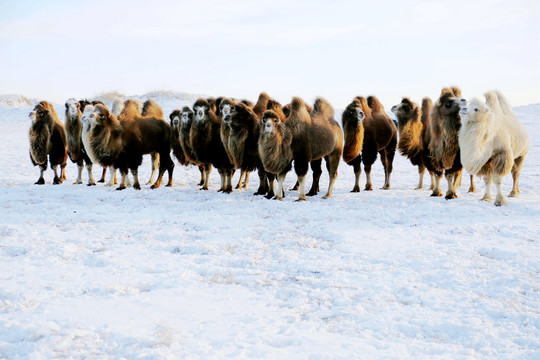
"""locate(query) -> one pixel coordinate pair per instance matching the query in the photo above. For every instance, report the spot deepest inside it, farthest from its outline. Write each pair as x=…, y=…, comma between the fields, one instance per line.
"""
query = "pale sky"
x=337, y=49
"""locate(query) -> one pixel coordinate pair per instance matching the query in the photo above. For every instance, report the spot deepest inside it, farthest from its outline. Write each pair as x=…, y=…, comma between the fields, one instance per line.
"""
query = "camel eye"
x=476, y=109
x=40, y=113
x=102, y=117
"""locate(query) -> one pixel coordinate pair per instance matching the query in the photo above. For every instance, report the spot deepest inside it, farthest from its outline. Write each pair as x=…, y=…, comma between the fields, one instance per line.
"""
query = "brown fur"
x=445, y=124
x=313, y=137
x=413, y=142
x=275, y=148
x=379, y=137
x=181, y=134
x=354, y=131
x=243, y=137
x=125, y=141
x=444, y=146
x=48, y=139
x=262, y=103
x=207, y=146
x=175, y=124
x=76, y=151
x=277, y=108
x=225, y=129
x=410, y=128
x=152, y=109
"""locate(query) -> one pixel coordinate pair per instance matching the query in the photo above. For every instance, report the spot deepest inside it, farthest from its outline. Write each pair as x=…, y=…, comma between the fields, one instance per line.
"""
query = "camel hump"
x=297, y=104
x=322, y=108
x=374, y=104
x=492, y=101
x=503, y=102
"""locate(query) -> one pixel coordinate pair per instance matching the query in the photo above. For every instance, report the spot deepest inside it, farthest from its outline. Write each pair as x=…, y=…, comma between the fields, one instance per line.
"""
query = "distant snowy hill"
x=14, y=101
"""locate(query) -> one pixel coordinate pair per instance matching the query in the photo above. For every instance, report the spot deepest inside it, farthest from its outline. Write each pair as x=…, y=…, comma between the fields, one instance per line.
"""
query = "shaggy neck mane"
x=410, y=134
x=275, y=149
x=40, y=139
x=106, y=141
x=353, y=130
x=73, y=132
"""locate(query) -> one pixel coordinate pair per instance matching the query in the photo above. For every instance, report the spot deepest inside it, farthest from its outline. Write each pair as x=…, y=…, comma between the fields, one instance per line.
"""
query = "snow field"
x=89, y=272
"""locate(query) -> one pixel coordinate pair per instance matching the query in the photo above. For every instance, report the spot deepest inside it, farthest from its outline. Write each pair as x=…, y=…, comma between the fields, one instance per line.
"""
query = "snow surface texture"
x=89, y=272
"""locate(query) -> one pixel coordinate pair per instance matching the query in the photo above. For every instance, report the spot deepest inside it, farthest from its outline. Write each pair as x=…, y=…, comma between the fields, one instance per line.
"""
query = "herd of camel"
x=444, y=137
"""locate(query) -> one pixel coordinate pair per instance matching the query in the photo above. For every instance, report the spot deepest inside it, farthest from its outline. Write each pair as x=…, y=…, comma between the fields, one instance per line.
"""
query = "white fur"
x=489, y=128
x=185, y=118
x=269, y=126
x=199, y=112
x=88, y=125
x=117, y=106
x=72, y=104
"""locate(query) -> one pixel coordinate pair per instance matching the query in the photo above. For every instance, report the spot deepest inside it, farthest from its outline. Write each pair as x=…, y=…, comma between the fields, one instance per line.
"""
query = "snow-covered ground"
x=89, y=272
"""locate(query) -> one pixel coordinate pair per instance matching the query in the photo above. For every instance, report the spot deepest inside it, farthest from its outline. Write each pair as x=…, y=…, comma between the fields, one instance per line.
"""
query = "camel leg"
x=317, y=172
x=499, y=199
x=242, y=173
x=516, y=172
x=357, y=172
x=41, y=179
x=123, y=176
x=437, y=186
x=301, y=188
x=369, y=185
x=57, y=180
x=222, y=179
x=453, y=179
x=155, y=167
x=170, y=170
x=207, y=171
x=201, y=169
x=228, y=181
x=270, y=194
x=63, y=172
x=332, y=163
x=104, y=172
x=79, y=173
x=387, y=158
x=432, y=176
x=112, y=176
x=421, y=172
x=472, y=188
x=281, y=180
x=136, y=184
x=91, y=180
x=488, y=180
x=295, y=187
x=263, y=184
x=246, y=180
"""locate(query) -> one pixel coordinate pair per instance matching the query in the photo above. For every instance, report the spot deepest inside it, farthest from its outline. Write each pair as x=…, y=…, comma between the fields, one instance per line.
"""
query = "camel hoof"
x=472, y=189
x=91, y=184
x=450, y=196
x=57, y=181
x=120, y=188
